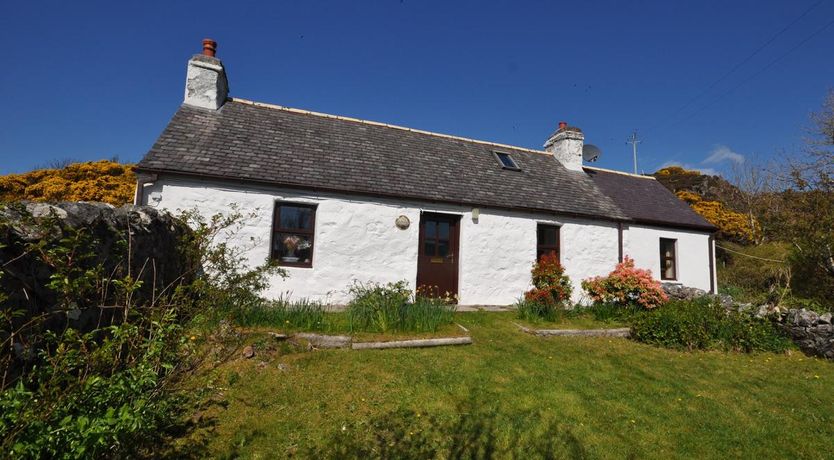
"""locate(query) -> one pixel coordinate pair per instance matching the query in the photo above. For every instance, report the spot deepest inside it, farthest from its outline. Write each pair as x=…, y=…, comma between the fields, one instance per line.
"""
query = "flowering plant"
x=550, y=285
x=626, y=285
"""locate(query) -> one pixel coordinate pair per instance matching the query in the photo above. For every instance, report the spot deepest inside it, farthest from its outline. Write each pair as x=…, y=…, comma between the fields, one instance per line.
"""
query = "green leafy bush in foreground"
x=703, y=324
x=393, y=307
x=113, y=391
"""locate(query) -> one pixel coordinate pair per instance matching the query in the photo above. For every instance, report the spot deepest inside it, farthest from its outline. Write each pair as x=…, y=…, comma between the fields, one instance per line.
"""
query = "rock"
x=681, y=292
x=806, y=318
x=824, y=318
x=766, y=310
x=248, y=351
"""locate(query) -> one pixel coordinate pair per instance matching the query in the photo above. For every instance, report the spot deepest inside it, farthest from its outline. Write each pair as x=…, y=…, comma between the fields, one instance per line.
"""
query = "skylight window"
x=507, y=161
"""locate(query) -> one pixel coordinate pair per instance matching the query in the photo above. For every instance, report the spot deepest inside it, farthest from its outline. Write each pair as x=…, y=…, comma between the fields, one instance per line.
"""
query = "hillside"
x=714, y=198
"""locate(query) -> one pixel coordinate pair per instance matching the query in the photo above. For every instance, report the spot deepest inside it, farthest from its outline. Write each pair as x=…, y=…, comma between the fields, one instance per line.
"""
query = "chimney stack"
x=566, y=146
x=206, y=85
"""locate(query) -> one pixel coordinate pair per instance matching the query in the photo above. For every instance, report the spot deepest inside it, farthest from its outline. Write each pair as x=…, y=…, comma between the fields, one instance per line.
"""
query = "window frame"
x=664, y=258
x=277, y=229
x=497, y=154
x=546, y=247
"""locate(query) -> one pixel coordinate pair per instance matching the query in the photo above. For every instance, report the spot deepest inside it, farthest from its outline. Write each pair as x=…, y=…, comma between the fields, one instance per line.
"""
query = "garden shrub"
x=392, y=307
x=551, y=291
x=112, y=390
x=626, y=285
x=703, y=324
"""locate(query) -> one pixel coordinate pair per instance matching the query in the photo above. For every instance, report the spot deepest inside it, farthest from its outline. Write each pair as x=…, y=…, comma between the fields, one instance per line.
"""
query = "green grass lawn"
x=513, y=394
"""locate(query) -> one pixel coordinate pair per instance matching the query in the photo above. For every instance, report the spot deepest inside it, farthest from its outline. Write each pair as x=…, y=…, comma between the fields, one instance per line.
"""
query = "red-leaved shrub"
x=551, y=286
x=626, y=285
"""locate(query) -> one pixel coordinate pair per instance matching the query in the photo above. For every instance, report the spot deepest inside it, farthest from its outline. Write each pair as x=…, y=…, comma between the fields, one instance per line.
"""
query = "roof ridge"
x=641, y=176
x=387, y=125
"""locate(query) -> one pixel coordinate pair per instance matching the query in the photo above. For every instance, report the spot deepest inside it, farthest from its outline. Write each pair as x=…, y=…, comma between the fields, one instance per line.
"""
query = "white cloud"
x=723, y=153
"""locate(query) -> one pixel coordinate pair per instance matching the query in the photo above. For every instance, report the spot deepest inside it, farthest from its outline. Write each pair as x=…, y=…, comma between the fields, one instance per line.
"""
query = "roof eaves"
x=640, y=176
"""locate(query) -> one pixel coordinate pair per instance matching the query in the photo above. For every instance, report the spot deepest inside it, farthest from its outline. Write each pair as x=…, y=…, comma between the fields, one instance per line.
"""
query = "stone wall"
x=132, y=239
x=812, y=332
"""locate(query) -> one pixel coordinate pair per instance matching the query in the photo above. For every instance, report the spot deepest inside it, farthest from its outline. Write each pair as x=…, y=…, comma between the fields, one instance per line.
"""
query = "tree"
x=808, y=221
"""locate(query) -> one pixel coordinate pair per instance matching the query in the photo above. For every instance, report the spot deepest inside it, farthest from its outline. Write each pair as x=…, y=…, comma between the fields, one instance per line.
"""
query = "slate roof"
x=646, y=200
x=293, y=148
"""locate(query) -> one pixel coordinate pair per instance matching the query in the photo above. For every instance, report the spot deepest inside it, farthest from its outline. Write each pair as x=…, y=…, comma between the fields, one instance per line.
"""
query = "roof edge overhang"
x=238, y=180
x=672, y=225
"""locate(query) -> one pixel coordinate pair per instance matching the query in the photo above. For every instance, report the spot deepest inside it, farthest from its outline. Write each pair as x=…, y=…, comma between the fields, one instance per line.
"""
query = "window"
x=292, y=234
x=547, y=240
x=507, y=161
x=667, y=259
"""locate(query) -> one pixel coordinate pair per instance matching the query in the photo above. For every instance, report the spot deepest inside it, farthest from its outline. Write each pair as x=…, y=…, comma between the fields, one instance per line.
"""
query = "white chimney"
x=205, y=83
x=566, y=146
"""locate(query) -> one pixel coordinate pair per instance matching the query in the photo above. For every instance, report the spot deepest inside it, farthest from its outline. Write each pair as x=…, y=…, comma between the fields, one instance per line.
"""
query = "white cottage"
x=338, y=199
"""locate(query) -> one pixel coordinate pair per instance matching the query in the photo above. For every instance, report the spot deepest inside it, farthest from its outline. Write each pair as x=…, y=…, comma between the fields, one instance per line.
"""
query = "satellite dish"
x=590, y=153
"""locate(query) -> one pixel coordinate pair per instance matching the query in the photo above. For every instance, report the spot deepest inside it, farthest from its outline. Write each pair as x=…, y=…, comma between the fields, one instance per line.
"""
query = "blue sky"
x=91, y=80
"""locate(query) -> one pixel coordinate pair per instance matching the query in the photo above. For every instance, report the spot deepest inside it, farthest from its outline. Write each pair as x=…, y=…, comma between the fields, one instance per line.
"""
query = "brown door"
x=437, y=262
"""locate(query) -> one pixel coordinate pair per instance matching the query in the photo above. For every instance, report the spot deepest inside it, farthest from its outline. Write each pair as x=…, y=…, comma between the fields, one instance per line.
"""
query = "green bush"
x=111, y=391
x=94, y=396
x=392, y=307
x=704, y=324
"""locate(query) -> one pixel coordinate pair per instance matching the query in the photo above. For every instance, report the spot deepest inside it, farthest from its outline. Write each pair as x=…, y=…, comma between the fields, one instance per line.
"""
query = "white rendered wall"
x=642, y=243
x=356, y=239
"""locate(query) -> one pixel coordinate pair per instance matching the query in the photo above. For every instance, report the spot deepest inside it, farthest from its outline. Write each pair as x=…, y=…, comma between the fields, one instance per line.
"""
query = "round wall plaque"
x=402, y=222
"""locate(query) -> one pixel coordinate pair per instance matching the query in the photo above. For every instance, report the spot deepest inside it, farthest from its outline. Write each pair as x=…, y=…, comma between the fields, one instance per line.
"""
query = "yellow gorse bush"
x=731, y=225
x=105, y=181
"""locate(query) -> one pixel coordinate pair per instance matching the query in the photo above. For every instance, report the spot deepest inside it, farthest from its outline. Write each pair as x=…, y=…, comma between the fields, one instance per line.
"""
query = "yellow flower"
x=193, y=337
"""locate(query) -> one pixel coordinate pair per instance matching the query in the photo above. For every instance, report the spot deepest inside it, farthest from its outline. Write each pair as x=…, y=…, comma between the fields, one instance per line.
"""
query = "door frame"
x=454, y=244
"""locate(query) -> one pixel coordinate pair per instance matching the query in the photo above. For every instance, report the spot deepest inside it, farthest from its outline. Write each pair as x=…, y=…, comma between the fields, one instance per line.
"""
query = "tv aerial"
x=590, y=153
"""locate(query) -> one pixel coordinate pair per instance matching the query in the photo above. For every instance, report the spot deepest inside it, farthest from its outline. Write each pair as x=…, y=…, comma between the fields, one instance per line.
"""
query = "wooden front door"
x=437, y=262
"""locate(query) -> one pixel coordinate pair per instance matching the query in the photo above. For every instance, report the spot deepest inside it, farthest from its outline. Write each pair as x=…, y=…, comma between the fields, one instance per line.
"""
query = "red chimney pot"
x=563, y=124
x=209, y=47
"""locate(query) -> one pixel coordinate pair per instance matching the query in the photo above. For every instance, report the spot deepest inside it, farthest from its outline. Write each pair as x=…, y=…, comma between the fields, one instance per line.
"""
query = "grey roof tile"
x=646, y=200
x=298, y=149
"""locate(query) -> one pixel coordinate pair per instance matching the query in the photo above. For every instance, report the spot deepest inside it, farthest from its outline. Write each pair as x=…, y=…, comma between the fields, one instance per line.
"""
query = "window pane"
x=443, y=230
x=428, y=248
x=548, y=235
x=506, y=160
x=296, y=217
x=667, y=259
x=292, y=248
x=443, y=248
x=431, y=229
x=669, y=269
